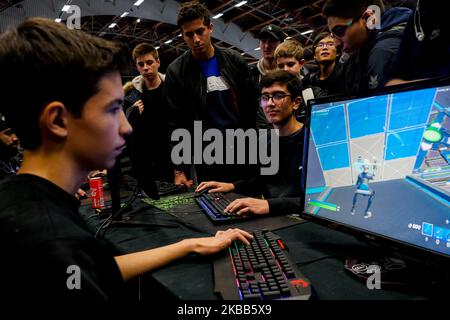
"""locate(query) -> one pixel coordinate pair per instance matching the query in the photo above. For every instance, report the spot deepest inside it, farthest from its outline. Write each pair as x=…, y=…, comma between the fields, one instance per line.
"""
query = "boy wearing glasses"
x=328, y=79
x=210, y=84
x=370, y=37
x=280, y=98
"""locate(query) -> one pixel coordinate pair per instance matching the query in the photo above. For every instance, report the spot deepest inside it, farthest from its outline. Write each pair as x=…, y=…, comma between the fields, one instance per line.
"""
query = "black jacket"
x=428, y=58
x=185, y=89
x=148, y=145
x=370, y=67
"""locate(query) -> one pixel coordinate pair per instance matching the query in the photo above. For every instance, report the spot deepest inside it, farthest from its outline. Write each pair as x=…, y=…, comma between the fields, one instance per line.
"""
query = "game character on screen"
x=367, y=173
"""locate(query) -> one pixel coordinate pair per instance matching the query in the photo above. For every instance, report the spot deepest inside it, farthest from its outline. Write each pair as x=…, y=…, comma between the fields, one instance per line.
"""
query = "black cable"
x=319, y=259
x=110, y=220
x=105, y=224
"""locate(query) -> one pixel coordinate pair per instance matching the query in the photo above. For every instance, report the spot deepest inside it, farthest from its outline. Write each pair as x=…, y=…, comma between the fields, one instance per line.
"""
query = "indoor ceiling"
x=301, y=19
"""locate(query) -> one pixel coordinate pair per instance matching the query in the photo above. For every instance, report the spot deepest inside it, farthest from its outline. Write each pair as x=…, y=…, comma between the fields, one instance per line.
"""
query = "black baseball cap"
x=3, y=124
x=272, y=31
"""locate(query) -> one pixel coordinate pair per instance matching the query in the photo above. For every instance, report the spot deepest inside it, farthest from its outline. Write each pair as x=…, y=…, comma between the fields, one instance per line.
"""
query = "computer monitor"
x=379, y=166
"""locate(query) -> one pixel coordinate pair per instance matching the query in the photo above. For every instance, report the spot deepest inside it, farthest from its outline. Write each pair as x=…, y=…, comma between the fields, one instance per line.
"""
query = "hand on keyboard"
x=262, y=270
x=220, y=241
x=246, y=206
x=215, y=186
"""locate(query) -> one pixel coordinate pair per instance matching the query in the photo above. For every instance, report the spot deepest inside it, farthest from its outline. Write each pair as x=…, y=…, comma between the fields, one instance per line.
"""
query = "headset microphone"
x=420, y=35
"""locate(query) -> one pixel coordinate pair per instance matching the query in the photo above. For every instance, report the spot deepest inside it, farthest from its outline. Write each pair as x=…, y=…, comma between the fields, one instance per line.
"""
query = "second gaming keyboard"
x=214, y=204
x=262, y=270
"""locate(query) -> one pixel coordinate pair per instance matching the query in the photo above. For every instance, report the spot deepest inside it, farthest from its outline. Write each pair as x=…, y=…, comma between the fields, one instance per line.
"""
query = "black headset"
x=420, y=35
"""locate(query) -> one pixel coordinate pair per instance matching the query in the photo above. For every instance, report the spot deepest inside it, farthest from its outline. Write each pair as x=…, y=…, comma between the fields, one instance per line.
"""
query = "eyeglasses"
x=339, y=30
x=277, y=97
x=322, y=45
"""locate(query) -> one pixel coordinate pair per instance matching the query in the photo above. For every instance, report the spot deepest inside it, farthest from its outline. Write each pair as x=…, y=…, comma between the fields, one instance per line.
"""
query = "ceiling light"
x=217, y=16
x=256, y=49
x=138, y=3
x=112, y=25
x=168, y=41
x=240, y=4
x=307, y=32
x=123, y=15
x=138, y=20
x=65, y=8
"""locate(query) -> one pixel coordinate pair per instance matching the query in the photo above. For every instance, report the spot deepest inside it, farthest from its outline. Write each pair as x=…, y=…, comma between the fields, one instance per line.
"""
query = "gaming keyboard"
x=263, y=270
x=214, y=204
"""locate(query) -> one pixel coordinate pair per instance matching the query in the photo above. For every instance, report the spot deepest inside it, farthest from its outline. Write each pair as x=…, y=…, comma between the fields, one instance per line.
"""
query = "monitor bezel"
x=392, y=245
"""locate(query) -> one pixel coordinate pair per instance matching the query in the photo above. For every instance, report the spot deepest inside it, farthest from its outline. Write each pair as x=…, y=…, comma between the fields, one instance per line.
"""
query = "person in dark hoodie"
x=425, y=49
x=146, y=111
x=370, y=37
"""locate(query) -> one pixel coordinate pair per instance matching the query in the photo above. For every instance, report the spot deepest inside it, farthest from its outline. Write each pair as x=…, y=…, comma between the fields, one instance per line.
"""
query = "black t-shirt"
x=149, y=143
x=329, y=86
x=221, y=109
x=45, y=245
x=282, y=189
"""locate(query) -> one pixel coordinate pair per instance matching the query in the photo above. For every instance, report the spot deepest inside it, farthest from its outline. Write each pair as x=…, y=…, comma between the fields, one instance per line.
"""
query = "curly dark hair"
x=192, y=10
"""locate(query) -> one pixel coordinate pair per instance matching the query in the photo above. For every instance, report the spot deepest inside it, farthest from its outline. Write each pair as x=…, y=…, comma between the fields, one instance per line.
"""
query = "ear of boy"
x=297, y=103
x=54, y=119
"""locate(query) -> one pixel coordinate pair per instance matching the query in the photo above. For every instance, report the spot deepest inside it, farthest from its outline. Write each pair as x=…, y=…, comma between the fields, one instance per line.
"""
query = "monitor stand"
x=117, y=210
x=378, y=271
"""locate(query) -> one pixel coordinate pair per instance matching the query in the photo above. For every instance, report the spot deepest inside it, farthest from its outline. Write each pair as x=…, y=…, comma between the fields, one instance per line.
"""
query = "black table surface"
x=318, y=251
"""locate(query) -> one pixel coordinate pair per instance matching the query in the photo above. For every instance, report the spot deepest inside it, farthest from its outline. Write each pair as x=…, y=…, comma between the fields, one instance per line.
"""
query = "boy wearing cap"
x=269, y=38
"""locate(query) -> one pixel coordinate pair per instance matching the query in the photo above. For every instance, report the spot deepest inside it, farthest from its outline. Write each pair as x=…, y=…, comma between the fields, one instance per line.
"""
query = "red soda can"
x=97, y=197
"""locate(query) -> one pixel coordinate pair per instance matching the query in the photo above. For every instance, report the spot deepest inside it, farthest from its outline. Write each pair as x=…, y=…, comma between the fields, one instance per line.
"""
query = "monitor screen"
x=380, y=164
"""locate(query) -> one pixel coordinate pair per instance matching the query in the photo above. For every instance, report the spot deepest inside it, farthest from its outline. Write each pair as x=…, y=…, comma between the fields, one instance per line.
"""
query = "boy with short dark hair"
x=69, y=123
x=280, y=98
x=146, y=110
x=209, y=84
